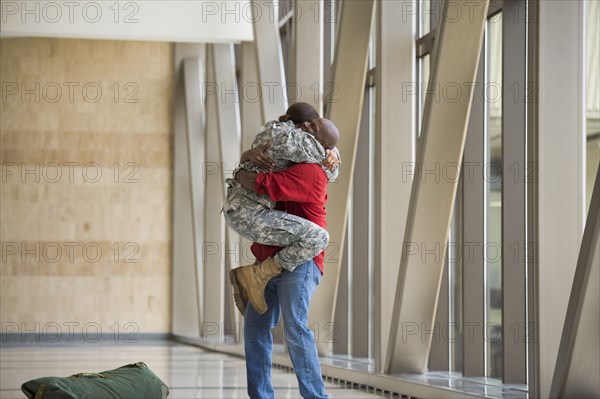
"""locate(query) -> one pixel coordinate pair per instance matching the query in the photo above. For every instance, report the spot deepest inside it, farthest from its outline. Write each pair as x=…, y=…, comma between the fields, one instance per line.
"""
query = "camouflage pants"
x=302, y=239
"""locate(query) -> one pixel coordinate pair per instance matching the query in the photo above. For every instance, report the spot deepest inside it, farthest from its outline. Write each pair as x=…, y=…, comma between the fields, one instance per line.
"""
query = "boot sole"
x=237, y=296
x=238, y=288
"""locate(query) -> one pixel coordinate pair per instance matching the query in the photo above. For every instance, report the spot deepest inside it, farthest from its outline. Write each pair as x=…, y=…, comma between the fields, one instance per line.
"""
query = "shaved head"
x=324, y=131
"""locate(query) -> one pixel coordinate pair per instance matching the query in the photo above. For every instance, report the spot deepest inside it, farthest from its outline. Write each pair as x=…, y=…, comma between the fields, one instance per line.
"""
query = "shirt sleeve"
x=301, y=183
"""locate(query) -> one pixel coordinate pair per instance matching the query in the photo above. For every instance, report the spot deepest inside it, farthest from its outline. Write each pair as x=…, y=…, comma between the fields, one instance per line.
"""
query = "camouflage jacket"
x=289, y=145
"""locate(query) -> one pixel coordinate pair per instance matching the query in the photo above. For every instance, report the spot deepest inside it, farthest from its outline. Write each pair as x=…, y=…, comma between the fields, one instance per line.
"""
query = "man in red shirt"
x=300, y=190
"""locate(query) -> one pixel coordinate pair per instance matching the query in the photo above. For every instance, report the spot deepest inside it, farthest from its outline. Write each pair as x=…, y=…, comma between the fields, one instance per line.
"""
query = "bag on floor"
x=131, y=381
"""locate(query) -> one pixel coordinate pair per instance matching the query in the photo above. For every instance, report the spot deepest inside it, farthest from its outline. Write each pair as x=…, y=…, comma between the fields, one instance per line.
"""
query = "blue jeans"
x=290, y=292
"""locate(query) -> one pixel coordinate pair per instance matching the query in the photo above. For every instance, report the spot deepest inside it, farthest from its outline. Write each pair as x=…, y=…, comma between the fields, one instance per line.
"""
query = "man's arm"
x=245, y=156
x=246, y=179
x=259, y=157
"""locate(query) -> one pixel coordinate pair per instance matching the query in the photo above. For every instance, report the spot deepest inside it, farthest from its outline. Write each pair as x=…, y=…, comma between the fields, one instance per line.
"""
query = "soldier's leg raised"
x=302, y=240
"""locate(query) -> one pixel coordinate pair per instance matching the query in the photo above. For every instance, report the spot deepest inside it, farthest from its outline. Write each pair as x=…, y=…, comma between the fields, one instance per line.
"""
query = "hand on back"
x=260, y=158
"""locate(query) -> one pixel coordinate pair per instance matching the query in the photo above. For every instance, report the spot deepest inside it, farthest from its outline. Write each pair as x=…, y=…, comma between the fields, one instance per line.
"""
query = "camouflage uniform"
x=254, y=217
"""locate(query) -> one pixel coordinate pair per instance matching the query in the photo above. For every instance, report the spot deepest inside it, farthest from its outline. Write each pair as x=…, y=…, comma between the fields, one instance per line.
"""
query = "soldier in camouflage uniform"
x=254, y=217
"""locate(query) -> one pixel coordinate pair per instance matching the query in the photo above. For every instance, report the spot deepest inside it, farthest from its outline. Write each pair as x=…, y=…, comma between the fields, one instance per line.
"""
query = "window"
x=481, y=280
x=592, y=97
x=493, y=197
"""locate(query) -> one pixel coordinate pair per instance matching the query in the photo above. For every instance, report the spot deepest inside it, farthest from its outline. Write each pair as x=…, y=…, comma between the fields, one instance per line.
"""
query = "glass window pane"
x=332, y=14
x=424, y=17
x=455, y=258
x=423, y=80
x=493, y=174
x=373, y=44
x=593, y=97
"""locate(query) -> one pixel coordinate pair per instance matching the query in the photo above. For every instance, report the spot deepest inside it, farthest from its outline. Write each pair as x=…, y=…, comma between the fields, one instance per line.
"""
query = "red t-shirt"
x=300, y=190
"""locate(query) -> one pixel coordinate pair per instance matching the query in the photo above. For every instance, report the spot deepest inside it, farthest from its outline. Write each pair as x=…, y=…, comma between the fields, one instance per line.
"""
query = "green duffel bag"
x=133, y=381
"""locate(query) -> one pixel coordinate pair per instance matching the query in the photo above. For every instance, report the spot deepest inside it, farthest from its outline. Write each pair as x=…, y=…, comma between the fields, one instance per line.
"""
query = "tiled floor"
x=189, y=372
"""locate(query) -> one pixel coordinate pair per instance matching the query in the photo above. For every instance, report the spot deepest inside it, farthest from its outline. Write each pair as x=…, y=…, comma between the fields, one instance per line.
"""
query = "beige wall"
x=73, y=211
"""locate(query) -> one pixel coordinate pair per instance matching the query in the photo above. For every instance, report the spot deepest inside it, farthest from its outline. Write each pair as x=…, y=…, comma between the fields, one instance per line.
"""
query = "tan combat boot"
x=250, y=281
x=239, y=296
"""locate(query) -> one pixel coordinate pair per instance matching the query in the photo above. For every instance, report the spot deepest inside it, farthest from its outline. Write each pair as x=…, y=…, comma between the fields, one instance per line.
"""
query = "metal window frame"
x=270, y=67
x=193, y=78
x=228, y=116
x=213, y=289
x=308, y=73
x=473, y=304
x=579, y=338
x=340, y=341
x=439, y=353
x=532, y=198
x=514, y=278
x=488, y=182
x=251, y=119
x=435, y=200
x=515, y=218
x=349, y=77
x=556, y=181
x=394, y=140
x=456, y=288
x=361, y=237
x=353, y=304
x=187, y=268
x=425, y=44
